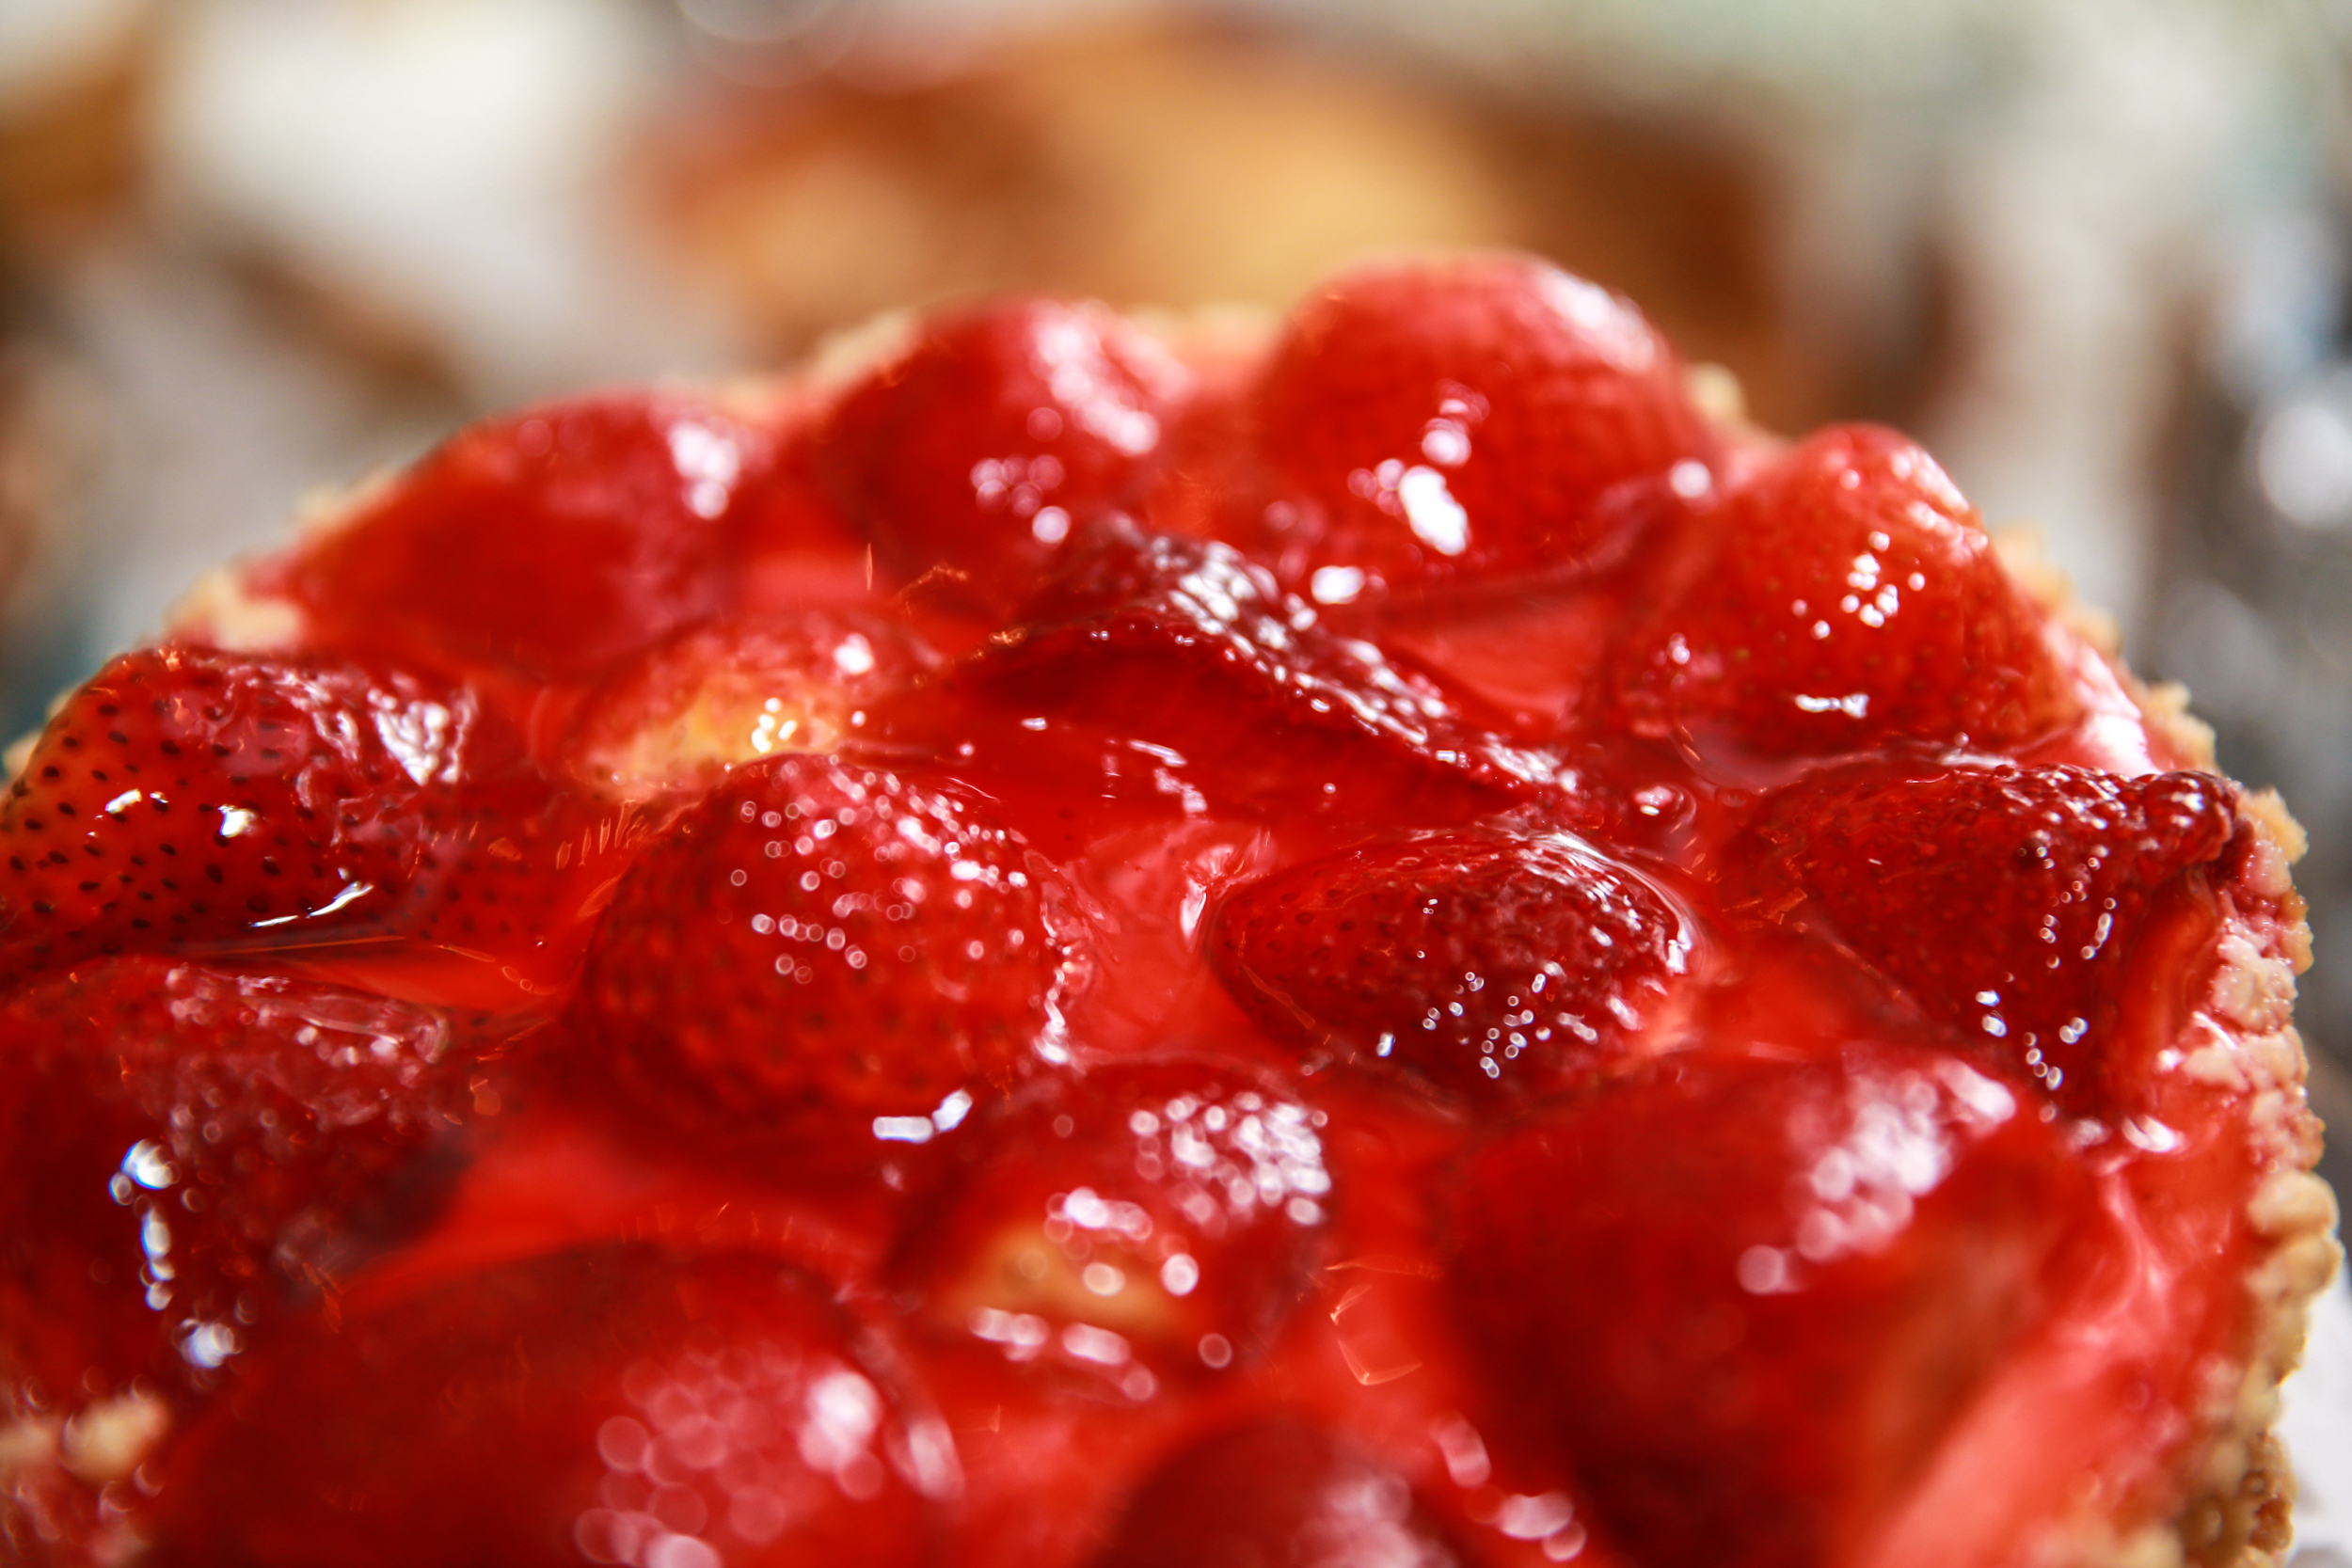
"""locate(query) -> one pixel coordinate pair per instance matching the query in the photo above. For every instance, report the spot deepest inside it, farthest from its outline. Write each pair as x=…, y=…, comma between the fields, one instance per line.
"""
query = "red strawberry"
x=617, y=1404
x=1743, y=1300
x=1276, y=1492
x=817, y=957
x=1467, y=418
x=549, y=543
x=979, y=448
x=1489, y=963
x=726, y=692
x=1182, y=644
x=187, y=798
x=2006, y=900
x=1853, y=596
x=188, y=1150
x=1146, y=1222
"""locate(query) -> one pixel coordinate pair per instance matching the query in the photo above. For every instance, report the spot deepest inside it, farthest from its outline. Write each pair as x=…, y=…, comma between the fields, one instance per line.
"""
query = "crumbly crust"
x=2240, y=1510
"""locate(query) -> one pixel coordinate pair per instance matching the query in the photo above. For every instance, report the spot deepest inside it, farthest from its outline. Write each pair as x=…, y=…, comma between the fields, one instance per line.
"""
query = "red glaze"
x=1149, y=1222
x=816, y=945
x=1488, y=416
x=1848, y=595
x=1081, y=796
x=979, y=448
x=1490, y=963
x=623, y=1399
x=549, y=543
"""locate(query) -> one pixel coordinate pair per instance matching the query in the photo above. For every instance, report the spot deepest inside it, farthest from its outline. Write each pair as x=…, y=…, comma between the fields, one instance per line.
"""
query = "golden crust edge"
x=2239, y=1510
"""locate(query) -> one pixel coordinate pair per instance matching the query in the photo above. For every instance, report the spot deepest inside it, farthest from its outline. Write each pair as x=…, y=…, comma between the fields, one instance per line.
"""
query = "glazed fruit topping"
x=1145, y=1221
x=1187, y=644
x=185, y=798
x=981, y=446
x=1846, y=596
x=670, y=723
x=549, y=543
x=620, y=1404
x=191, y=1152
x=818, y=955
x=2006, y=900
x=1277, y=1492
x=1482, y=417
x=1490, y=963
x=1788, y=1279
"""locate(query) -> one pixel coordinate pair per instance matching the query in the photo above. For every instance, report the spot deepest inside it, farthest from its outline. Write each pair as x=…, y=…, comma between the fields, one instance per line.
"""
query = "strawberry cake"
x=1388, y=940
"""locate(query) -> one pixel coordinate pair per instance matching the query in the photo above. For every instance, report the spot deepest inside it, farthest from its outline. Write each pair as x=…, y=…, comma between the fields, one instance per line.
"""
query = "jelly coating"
x=1026, y=959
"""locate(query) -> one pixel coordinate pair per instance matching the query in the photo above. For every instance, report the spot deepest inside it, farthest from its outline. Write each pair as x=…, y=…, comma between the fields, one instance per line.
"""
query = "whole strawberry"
x=1490, y=963
x=185, y=798
x=979, y=448
x=547, y=544
x=1743, y=1300
x=2006, y=900
x=817, y=957
x=1454, y=418
x=1849, y=595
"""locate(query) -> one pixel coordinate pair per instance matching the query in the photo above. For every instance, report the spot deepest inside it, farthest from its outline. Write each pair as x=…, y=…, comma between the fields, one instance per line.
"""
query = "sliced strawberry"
x=619, y=1405
x=1467, y=418
x=549, y=543
x=979, y=448
x=187, y=798
x=190, y=1151
x=1490, y=963
x=1146, y=1222
x=1853, y=596
x=676, y=717
x=1743, y=1300
x=2006, y=900
x=1184, y=644
x=1278, y=1491
x=817, y=957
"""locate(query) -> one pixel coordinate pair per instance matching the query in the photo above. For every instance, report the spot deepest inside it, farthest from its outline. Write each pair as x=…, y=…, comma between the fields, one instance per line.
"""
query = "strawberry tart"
x=1388, y=940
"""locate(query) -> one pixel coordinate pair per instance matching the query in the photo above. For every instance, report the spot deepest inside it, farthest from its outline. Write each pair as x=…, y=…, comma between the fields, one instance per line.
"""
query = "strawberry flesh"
x=1145, y=1223
x=611, y=1404
x=1278, y=1491
x=2006, y=900
x=189, y=798
x=1442, y=421
x=817, y=957
x=1848, y=596
x=1740, y=1301
x=976, y=451
x=1492, y=964
x=549, y=543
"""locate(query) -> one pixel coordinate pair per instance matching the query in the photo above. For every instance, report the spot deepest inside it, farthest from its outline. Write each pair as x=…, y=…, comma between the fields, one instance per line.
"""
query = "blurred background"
x=2097, y=252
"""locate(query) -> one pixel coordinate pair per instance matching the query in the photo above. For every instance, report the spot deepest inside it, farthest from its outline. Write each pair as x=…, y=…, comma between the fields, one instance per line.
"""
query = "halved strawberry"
x=190, y=1151
x=185, y=798
x=1491, y=963
x=1469, y=417
x=816, y=958
x=548, y=543
x=615, y=1405
x=1145, y=1221
x=1184, y=644
x=725, y=692
x=2006, y=900
x=979, y=448
x=1742, y=1300
x=1277, y=1490
x=1851, y=595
